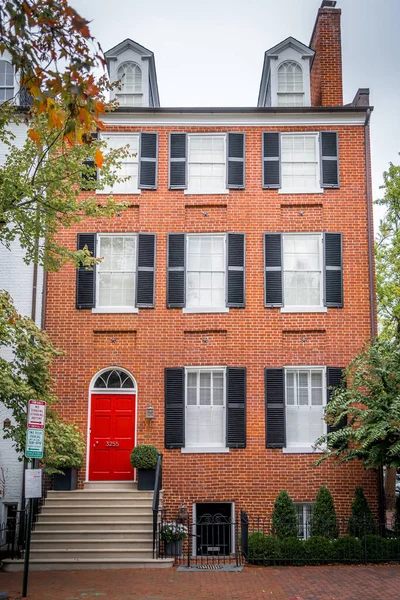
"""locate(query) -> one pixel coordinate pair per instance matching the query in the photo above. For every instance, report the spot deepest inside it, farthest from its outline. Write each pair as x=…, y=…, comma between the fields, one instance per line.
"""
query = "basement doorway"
x=213, y=529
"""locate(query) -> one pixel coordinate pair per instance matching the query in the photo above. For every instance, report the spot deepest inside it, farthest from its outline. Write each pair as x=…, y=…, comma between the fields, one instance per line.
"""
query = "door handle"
x=95, y=444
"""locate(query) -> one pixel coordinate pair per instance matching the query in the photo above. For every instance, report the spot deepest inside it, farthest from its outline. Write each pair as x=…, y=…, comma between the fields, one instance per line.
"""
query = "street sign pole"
x=27, y=549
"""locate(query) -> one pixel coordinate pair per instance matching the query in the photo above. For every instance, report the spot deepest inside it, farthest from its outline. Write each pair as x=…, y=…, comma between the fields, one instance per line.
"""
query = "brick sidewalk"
x=253, y=583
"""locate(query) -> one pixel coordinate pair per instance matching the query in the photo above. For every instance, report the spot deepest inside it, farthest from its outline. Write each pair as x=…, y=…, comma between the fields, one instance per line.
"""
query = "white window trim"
x=307, y=449
x=113, y=309
x=306, y=309
x=188, y=191
x=204, y=309
x=205, y=449
x=116, y=134
x=317, y=190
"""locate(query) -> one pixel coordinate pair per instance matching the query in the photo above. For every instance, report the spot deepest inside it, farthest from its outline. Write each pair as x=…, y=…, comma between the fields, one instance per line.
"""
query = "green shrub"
x=324, y=521
x=263, y=548
x=144, y=457
x=393, y=548
x=397, y=517
x=348, y=549
x=284, y=517
x=292, y=551
x=361, y=521
x=318, y=550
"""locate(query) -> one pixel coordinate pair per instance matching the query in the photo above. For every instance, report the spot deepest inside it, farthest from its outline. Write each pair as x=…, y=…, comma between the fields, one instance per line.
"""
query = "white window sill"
x=222, y=309
x=304, y=309
x=301, y=450
x=294, y=191
x=114, y=309
x=112, y=193
x=203, y=193
x=204, y=450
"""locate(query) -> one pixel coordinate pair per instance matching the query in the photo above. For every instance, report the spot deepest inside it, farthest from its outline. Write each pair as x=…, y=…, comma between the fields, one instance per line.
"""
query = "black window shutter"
x=334, y=380
x=235, y=161
x=174, y=382
x=273, y=269
x=148, y=161
x=86, y=279
x=177, y=161
x=333, y=285
x=329, y=159
x=236, y=270
x=176, y=270
x=90, y=173
x=271, y=160
x=145, y=270
x=275, y=408
x=236, y=408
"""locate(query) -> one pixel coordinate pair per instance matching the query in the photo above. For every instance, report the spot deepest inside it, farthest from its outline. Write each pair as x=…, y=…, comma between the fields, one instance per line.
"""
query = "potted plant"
x=144, y=458
x=172, y=534
x=64, y=448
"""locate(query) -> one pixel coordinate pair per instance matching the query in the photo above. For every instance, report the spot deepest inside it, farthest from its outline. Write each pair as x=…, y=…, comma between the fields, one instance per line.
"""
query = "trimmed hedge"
x=317, y=550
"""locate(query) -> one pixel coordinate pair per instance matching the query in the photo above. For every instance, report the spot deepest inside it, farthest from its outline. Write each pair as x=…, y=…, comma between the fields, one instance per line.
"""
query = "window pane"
x=206, y=271
x=205, y=389
x=302, y=275
x=206, y=170
x=304, y=419
x=104, y=289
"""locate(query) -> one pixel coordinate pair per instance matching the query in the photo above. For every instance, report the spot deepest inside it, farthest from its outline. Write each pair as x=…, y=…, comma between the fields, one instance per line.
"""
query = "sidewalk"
x=253, y=583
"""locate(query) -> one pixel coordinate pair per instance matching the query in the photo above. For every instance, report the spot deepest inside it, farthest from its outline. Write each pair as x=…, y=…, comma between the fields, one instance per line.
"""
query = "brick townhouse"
x=233, y=290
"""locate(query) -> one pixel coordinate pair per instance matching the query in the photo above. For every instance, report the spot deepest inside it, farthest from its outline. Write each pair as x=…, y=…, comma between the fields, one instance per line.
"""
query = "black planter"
x=146, y=479
x=66, y=482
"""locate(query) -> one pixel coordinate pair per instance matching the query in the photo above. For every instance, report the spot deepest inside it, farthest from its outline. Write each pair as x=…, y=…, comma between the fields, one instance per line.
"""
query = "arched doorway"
x=112, y=425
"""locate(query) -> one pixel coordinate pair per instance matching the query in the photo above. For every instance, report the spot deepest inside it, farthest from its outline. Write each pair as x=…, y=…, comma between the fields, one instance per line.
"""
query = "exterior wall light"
x=150, y=414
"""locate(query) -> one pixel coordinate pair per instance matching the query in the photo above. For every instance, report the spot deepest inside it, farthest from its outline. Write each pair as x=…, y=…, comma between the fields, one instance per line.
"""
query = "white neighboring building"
x=19, y=280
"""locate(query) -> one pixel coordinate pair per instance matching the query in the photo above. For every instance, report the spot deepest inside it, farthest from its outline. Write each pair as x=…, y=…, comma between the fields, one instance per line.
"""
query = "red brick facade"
x=326, y=70
x=254, y=337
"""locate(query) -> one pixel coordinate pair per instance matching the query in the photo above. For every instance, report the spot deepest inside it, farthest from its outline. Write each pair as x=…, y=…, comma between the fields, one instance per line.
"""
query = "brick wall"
x=326, y=70
x=254, y=337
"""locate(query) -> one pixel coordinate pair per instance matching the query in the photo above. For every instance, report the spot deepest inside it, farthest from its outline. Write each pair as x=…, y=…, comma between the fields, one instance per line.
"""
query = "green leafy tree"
x=324, y=520
x=387, y=250
x=284, y=517
x=361, y=521
x=25, y=374
x=371, y=405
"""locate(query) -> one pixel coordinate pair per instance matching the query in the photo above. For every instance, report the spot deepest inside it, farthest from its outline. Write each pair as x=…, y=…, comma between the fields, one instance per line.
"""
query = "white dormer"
x=285, y=79
x=10, y=88
x=134, y=66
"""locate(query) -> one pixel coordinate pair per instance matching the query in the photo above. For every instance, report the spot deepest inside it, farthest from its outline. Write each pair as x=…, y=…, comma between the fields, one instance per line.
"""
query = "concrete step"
x=101, y=517
x=133, y=508
x=61, y=543
x=50, y=535
x=89, y=524
x=87, y=564
x=100, y=495
x=110, y=485
x=113, y=554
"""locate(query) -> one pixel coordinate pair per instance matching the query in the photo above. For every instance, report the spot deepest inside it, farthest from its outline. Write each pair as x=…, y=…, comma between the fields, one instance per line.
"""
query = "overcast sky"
x=210, y=52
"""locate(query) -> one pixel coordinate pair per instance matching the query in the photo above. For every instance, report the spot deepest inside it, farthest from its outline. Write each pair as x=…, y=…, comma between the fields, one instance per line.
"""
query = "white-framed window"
x=129, y=165
x=130, y=76
x=206, y=273
x=205, y=409
x=305, y=393
x=6, y=81
x=290, y=84
x=116, y=274
x=302, y=271
x=206, y=164
x=300, y=163
x=304, y=515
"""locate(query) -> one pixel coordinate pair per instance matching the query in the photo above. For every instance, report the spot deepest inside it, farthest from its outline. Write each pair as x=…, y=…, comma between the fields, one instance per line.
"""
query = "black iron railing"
x=12, y=536
x=156, y=502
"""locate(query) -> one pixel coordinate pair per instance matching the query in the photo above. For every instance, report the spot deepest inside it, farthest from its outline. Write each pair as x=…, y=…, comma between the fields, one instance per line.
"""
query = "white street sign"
x=33, y=483
x=36, y=414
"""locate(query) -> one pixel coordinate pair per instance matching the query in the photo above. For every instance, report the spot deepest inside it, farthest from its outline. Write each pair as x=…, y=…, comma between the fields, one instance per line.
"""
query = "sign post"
x=34, y=446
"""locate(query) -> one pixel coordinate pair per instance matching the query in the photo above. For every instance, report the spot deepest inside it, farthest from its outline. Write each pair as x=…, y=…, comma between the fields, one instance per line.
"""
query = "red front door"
x=112, y=436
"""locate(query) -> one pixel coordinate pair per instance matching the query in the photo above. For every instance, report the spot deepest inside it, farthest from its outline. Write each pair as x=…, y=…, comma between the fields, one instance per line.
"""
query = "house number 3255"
x=112, y=443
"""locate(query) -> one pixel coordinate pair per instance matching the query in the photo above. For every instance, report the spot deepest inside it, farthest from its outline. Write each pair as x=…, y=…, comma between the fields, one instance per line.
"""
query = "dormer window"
x=6, y=81
x=130, y=76
x=290, y=84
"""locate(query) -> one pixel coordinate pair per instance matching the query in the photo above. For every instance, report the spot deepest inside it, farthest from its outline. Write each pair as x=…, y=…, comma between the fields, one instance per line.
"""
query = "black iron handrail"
x=156, y=500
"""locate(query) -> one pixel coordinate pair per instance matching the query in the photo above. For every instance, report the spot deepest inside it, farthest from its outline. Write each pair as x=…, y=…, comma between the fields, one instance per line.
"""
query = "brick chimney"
x=326, y=69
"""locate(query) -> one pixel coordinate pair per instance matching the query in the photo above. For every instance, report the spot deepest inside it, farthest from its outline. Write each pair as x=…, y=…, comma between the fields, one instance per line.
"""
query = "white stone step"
x=102, y=535
x=133, y=508
x=87, y=564
x=89, y=524
x=110, y=485
x=100, y=495
x=91, y=543
x=103, y=517
x=113, y=554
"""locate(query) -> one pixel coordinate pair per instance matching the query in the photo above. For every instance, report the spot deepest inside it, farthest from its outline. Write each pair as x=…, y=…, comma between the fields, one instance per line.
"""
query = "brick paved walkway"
x=253, y=583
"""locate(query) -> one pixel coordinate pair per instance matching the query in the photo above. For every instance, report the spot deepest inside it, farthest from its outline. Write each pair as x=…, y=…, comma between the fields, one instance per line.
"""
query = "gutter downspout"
x=372, y=298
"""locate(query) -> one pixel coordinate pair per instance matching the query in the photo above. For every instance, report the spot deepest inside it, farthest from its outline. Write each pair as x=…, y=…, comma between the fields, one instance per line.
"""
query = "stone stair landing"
x=107, y=525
